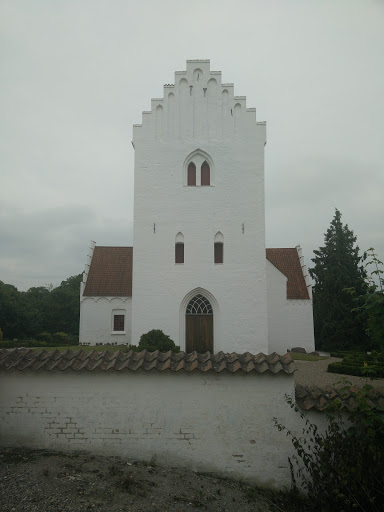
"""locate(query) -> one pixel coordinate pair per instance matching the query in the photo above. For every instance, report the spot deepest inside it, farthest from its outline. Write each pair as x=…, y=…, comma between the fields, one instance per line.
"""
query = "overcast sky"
x=76, y=74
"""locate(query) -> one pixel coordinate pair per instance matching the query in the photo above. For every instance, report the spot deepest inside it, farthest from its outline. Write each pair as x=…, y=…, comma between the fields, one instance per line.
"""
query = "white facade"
x=290, y=321
x=96, y=320
x=199, y=119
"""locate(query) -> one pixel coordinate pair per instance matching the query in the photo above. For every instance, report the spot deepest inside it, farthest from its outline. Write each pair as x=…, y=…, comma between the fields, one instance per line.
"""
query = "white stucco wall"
x=96, y=320
x=199, y=113
x=205, y=421
x=290, y=321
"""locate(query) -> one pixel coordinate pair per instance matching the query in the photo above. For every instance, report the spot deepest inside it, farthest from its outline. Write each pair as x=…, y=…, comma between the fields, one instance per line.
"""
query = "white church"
x=198, y=269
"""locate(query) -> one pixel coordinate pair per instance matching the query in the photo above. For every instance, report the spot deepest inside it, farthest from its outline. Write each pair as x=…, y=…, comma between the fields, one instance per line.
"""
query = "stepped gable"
x=288, y=262
x=320, y=399
x=110, y=273
x=28, y=359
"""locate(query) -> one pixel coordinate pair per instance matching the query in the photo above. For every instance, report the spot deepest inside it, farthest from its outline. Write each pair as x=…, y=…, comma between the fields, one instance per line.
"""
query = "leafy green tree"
x=40, y=310
x=13, y=320
x=36, y=305
x=372, y=302
x=64, y=308
x=337, y=266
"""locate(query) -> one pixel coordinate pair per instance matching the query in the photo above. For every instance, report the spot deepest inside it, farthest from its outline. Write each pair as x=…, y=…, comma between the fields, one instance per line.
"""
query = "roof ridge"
x=78, y=360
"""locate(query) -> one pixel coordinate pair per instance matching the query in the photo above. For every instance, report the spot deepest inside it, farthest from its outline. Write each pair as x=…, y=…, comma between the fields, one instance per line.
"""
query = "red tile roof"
x=110, y=273
x=288, y=262
x=28, y=359
x=320, y=399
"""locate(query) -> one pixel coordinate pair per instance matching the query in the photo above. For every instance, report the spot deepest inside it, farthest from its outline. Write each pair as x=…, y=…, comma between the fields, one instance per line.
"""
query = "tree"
x=372, y=302
x=12, y=313
x=338, y=266
x=65, y=306
x=40, y=309
x=35, y=303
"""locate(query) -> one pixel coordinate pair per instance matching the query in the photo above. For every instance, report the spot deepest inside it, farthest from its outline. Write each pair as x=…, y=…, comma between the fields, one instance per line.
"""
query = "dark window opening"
x=205, y=174
x=191, y=175
x=219, y=252
x=179, y=252
x=118, y=322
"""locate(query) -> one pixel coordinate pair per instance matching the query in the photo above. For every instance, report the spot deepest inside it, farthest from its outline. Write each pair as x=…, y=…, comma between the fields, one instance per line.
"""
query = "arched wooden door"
x=199, y=325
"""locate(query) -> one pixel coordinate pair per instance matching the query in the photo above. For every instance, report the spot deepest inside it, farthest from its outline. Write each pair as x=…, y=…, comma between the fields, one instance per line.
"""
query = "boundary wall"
x=221, y=423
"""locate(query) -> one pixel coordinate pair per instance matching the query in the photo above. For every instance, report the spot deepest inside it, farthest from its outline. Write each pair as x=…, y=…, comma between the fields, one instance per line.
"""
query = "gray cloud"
x=76, y=76
x=38, y=245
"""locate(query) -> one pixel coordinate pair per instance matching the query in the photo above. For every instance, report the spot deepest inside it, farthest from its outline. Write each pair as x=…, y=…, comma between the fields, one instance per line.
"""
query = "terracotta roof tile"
x=110, y=273
x=28, y=359
x=320, y=399
x=288, y=262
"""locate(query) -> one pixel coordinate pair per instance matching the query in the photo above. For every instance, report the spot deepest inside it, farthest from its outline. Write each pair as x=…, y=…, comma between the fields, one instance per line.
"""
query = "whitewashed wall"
x=290, y=321
x=205, y=421
x=96, y=320
x=200, y=114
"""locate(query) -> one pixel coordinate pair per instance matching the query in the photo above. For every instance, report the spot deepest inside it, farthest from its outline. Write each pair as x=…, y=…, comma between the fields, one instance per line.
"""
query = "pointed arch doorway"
x=199, y=325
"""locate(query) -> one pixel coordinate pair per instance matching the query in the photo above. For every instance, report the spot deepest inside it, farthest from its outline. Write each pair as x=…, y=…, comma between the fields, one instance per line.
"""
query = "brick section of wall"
x=208, y=422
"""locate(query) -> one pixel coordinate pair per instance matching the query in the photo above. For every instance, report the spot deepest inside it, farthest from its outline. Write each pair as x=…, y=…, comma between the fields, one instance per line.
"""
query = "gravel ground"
x=39, y=481
x=310, y=373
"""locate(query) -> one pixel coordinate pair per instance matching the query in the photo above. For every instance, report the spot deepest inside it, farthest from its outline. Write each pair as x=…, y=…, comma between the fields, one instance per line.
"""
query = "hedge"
x=344, y=353
x=375, y=358
x=34, y=344
x=376, y=370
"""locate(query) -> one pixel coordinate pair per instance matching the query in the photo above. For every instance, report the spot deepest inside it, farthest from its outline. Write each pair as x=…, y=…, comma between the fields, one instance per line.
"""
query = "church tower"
x=199, y=260
x=198, y=269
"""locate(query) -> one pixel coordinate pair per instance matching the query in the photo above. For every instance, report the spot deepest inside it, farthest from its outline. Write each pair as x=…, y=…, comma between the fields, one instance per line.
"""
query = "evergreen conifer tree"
x=338, y=266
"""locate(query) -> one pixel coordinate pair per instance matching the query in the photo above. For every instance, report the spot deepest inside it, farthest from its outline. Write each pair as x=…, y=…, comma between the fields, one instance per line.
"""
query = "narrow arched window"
x=179, y=248
x=191, y=175
x=179, y=252
x=205, y=174
x=219, y=252
x=219, y=248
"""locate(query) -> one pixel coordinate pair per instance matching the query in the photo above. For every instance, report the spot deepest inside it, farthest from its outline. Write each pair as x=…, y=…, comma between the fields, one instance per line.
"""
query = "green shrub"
x=343, y=353
x=360, y=365
x=1, y=335
x=342, y=469
x=135, y=348
x=359, y=370
x=44, y=336
x=73, y=339
x=157, y=340
x=10, y=344
x=22, y=343
x=374, y=357
x=60, y=337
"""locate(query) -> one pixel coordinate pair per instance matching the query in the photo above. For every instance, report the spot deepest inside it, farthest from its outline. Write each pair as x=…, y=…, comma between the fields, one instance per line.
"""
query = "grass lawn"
x=306, y=357
x=86, y=348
